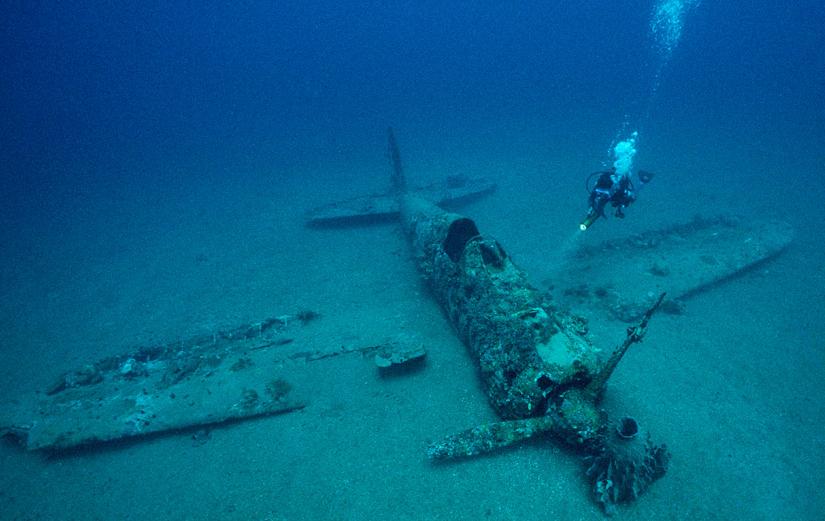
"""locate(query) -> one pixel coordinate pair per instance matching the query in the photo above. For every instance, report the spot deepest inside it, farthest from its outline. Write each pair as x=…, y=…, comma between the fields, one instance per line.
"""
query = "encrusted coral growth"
x=489, y=437
x=626, y=464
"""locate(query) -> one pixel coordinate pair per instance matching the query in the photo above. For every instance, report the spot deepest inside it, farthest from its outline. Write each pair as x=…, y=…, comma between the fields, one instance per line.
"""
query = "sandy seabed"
x=733, y=385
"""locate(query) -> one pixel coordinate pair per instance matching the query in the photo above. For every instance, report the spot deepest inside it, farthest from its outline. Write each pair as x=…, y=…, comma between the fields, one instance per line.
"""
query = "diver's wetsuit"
x=620, y=194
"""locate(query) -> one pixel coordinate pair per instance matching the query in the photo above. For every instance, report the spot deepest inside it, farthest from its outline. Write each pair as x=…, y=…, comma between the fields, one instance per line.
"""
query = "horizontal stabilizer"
x=370, y=209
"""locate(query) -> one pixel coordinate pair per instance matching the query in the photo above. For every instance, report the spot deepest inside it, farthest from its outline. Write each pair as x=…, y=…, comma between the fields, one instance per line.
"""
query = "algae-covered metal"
x=540, y=372
x=250, y=371
x=200, y=381
x=525, y=350
x=623, y=276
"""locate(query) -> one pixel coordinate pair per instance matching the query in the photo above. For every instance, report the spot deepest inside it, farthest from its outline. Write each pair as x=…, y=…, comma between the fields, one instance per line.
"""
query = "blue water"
x=102, y=88
x=137, y=138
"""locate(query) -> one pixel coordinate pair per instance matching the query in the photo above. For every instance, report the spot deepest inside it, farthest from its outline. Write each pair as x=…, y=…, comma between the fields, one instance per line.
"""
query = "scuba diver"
x=614, y=188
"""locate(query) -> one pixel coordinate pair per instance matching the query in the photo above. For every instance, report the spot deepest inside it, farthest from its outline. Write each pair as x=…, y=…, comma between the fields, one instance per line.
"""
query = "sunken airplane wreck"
x=540, y=371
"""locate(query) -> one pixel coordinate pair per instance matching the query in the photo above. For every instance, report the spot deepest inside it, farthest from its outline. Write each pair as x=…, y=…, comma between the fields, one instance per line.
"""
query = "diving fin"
x=645, y=176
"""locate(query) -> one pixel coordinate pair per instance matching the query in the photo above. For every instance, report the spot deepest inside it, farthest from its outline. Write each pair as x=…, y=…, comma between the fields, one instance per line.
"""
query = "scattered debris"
x=624, y=276
x=200, y=381
x=393, y=355
x=307, y=315
x=190, y=384
x=278, y=389
x=201, y=437
x=88, y=375
x=242, y=363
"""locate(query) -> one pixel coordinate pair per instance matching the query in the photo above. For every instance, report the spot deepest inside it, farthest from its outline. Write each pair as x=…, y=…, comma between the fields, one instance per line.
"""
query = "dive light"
x=588, y=221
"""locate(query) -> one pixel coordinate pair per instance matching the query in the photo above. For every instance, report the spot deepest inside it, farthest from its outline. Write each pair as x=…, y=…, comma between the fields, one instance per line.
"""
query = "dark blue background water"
x=101, y=90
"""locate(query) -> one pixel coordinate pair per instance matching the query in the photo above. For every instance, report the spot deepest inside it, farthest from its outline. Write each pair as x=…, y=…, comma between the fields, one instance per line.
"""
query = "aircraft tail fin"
x=399, y=182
